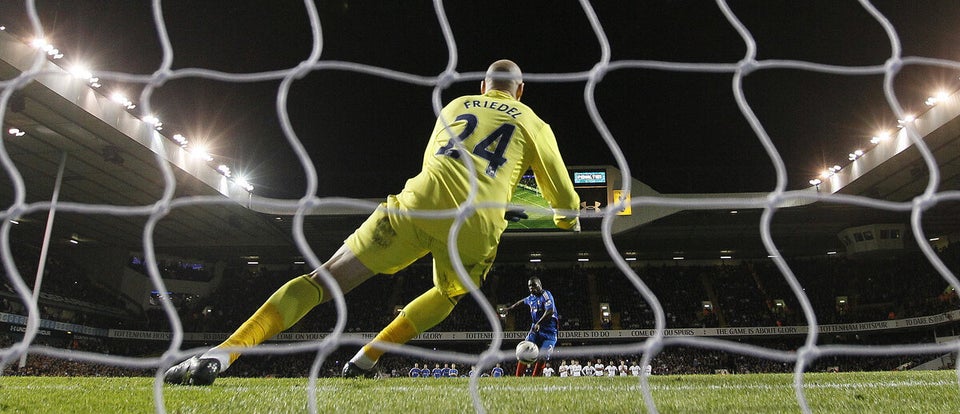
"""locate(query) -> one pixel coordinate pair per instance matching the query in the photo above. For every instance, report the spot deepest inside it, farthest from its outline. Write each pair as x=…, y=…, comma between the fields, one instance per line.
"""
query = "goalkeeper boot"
x=194, y=371
x=351, y=370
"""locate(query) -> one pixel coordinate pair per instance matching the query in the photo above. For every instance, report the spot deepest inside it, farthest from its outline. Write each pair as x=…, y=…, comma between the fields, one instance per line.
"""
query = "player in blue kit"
x=543, y=331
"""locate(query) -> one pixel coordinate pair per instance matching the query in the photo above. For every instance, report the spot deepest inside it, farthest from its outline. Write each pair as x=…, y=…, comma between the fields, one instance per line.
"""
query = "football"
x=527, y=352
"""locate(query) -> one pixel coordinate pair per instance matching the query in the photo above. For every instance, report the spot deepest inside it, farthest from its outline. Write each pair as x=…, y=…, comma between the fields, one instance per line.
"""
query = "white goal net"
x=607, y=58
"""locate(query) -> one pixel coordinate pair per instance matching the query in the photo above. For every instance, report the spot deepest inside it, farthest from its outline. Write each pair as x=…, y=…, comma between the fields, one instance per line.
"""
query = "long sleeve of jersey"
x=553, y=179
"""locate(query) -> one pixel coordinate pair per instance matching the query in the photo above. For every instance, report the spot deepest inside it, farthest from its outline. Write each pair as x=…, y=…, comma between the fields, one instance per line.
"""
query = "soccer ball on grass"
x=527, y=352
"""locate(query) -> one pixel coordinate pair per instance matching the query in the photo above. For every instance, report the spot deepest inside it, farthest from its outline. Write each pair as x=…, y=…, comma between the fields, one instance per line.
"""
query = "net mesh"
x=769, y=202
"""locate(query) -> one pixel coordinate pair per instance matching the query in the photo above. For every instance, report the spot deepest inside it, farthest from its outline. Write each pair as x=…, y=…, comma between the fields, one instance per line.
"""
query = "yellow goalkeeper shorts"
x=391, y=239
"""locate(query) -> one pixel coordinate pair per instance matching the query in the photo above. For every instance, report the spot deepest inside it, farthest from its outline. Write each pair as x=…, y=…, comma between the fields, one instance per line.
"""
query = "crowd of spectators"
x=746, y=293
x=735, y=294
x=173, y=269
x=672, y=360
x=738, y=294
x=245, y=289
x=92, y=304
x=38, y=364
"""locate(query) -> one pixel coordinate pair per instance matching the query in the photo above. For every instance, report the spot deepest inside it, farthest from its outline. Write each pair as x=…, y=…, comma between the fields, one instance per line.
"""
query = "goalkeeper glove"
x=515, y=215
x=566, y=224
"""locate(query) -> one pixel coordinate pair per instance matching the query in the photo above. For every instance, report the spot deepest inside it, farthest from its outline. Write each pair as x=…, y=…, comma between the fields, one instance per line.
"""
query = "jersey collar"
x=496, y=93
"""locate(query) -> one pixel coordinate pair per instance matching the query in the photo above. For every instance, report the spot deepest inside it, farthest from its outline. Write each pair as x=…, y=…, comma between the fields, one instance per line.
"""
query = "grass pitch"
x=874, y=392
x=537, y=218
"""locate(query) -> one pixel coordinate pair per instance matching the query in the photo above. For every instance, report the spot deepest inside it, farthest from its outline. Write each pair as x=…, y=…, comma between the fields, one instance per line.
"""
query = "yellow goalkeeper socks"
x=421, y=314
x=283, y=309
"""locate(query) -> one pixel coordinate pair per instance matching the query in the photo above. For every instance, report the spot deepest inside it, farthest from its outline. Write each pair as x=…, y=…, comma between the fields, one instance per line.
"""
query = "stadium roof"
x=111, y=159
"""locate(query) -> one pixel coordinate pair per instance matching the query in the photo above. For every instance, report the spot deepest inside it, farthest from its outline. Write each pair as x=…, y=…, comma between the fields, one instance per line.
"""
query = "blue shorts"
x=546, y=341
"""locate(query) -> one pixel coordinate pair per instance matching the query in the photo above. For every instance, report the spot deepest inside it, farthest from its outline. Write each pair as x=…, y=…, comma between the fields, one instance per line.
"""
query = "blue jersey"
x=454, y=372
x=425, y=372
x=415, y=372
x=539, y=305
x=437, y=373
x=497, y=372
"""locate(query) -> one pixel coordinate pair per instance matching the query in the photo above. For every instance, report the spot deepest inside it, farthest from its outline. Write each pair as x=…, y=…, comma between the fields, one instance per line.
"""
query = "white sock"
x=222, y=356
x=362, y=360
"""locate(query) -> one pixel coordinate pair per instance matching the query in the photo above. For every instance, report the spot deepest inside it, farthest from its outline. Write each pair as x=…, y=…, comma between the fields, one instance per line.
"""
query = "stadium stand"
x=742, y=294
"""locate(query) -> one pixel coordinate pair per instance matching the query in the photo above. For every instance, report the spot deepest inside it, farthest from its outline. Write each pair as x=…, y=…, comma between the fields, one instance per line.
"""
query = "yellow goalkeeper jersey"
x=504, y=138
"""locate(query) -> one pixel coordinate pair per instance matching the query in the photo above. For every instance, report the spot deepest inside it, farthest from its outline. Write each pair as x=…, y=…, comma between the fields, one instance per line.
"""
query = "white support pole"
x=46, y=245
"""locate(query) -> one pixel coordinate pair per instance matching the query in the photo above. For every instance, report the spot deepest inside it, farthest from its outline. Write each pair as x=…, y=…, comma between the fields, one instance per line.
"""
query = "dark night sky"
x=681, y=132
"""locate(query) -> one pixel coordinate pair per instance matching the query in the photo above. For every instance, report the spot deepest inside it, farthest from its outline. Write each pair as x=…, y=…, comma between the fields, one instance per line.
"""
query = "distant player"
x=454, y=372
x=575, y=369
x=437, y=371
x=598, y=368
x=563, y=369
x=497, y=371
x=543, y=331
x=547, y=370
x=588, y=370
x=415, y=371
x=611, y=369
x=635, y=369
x=425, y=371
x=480, y=147
x=445, y=372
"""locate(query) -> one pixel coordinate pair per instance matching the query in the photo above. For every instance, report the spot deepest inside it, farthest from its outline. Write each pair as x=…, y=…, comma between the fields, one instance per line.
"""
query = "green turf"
x=874, y=392
x=538, y=219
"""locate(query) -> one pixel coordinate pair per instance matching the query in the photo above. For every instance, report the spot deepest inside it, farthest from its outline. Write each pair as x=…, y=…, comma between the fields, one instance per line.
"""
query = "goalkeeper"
x=503, y=138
